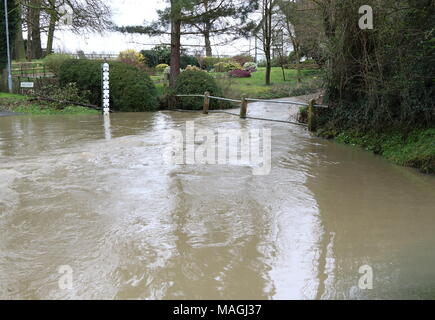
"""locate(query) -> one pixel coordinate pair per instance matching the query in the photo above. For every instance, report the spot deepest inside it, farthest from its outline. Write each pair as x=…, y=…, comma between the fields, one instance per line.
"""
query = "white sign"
x=106, y=88
x=27, y=84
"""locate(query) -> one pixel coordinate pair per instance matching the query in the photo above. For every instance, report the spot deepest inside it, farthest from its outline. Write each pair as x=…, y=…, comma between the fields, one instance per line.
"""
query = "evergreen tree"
x=197, y=17
x=13, y=26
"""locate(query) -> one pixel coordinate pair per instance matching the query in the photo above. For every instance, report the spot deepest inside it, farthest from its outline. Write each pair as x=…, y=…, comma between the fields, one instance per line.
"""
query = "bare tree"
x=264, y=32
x=45, y=16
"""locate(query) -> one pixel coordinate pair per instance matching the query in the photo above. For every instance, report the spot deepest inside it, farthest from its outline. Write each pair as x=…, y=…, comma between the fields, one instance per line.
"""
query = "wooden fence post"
x=311, y=120
x=243, y=107
x=206, y=102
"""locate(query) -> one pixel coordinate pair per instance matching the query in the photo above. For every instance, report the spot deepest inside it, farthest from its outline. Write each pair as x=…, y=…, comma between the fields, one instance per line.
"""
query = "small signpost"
x=106, y=87
x=28, y=85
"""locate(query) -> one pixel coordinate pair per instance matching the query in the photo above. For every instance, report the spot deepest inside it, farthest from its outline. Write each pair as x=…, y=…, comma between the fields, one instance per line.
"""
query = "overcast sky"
x=134, y=12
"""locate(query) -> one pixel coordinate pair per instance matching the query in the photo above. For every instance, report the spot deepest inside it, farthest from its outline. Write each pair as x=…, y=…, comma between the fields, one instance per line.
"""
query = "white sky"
x=134, y=12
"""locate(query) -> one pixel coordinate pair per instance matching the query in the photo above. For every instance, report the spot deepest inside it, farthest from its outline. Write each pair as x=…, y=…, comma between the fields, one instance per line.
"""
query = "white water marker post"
x=105, y=70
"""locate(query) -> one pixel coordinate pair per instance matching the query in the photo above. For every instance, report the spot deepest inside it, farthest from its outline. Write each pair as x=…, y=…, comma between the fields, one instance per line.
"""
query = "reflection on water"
x=94, y=193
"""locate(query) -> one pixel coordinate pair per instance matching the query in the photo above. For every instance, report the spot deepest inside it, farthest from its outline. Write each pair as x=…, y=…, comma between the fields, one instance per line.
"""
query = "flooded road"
x=98, y=197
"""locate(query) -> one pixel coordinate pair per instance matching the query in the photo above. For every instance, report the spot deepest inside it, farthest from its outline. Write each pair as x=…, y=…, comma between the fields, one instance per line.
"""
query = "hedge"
x=130, y=89
x=197, y=82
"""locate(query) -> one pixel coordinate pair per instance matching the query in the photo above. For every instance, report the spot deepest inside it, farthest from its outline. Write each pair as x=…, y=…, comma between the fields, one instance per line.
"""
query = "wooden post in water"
x=243, y=108
x=206, y=102
x=311, y=120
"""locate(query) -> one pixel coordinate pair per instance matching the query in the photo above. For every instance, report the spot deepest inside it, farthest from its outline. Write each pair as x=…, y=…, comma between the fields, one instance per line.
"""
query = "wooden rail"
x=244, y=107
x=30, y=70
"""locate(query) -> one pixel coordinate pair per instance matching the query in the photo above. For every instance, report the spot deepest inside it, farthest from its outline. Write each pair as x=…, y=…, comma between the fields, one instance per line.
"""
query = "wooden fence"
x=244, y=107
x=32, y=70
x=94, y=56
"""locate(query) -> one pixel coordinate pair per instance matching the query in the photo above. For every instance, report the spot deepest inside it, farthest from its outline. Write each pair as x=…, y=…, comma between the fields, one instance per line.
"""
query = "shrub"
x=161, y=67
x=250, y=66
x=227, y=66
x=151, y=58
x=196, y=82
x=240, y=74
x=219, y=67
x=133, y=58
x=69, y=92
x=192, y=68
x=242, y=59
x=188, y=61
x=207, y=63
x=54, y=61
x=131, y=89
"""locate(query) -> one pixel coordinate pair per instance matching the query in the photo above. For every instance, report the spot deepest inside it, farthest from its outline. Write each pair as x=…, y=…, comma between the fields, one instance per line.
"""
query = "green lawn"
x=4, y=95
x=255, y=87
x=258, y=78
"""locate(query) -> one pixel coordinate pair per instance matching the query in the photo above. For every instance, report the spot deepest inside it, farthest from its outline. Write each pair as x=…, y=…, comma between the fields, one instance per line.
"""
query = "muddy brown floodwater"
x=101, y=200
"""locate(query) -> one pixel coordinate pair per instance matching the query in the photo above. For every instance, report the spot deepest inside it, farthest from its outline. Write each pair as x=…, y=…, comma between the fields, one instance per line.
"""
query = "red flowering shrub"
x=240, y=74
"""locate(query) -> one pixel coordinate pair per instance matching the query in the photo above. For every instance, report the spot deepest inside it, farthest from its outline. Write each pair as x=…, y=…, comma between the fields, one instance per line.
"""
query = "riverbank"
x=415, y=149
x=14, y=103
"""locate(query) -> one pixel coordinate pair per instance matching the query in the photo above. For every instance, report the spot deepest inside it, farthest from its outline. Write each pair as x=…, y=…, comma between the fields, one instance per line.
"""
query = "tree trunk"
x=175, y=52
x=268, y=70
x=175, y=48
x=267, y=30
x=51, y=28
x=34, y=48
x=208, y=48
x=19, y=51
x=50, y=38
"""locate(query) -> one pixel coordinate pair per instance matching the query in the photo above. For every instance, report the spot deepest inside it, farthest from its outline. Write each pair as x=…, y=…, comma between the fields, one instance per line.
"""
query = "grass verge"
x=415, y=149
x=20, y=104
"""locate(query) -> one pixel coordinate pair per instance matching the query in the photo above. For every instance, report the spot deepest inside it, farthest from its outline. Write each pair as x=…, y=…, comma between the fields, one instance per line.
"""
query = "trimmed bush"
x=131, y=89
x=207, y=63
x=54, y=61
x=227, y=66
x=161, y=67
x=196, y=82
